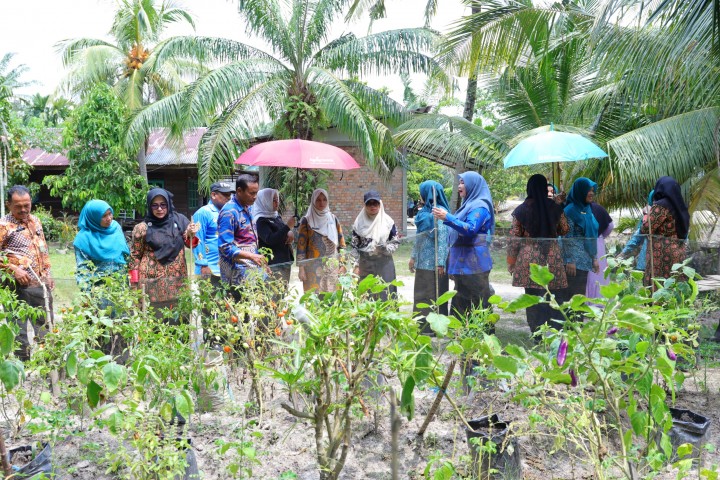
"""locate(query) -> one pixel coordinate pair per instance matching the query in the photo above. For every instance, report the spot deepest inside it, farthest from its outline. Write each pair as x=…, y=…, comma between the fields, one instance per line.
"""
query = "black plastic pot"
x=500, y=462
x=40, y=465
x=688, y=427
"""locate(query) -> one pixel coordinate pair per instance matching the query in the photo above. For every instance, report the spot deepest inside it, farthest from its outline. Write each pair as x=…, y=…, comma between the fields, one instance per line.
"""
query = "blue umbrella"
x=552, y=146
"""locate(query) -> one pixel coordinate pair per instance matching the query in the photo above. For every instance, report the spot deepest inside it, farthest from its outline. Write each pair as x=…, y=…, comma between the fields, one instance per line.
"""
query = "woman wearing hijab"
x=157, y=252
x=580, y=244
x=668, y=224
x=273, y=233
x=100, y=246
x=319, y=236
x=605, y=227
x=374, y=240
x=469, y=262
x=428, y=259
x=536, y=224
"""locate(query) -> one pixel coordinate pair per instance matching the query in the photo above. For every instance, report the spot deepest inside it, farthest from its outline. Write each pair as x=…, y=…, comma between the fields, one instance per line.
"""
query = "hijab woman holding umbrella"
x=273, y=232
x=429, y=254
x=469, y=262
x=536, y=225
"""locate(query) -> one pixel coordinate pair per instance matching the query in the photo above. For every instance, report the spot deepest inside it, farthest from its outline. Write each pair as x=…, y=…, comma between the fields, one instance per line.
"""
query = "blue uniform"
x=206, y=252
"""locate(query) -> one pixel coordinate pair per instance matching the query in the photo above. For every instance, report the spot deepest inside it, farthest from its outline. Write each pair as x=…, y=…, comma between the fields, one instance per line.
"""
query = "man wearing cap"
x=206, y=252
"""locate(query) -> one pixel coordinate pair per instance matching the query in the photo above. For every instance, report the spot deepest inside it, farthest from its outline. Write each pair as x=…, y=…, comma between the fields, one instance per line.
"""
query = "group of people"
x=228, y=236
x=565, y=233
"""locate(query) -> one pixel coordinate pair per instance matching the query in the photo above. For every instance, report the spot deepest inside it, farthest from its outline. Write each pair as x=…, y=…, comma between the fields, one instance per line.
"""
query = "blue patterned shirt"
x=88, y=271
x=573, y=247
x=423, y=251
x=470, y=253
x=236, y=233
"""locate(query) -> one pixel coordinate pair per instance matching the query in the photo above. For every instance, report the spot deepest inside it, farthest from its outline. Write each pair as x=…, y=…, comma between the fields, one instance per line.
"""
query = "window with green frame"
x=192, y=193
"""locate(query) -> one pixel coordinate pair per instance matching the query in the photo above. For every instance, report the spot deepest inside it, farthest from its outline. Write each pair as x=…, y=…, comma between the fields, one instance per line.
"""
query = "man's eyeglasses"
x=159, y=206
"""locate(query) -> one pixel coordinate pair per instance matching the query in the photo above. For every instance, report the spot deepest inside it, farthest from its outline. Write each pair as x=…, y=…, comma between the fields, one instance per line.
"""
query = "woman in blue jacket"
x=469, y=262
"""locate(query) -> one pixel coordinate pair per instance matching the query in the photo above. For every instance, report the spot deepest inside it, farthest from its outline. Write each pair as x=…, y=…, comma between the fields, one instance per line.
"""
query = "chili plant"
x=344, y=341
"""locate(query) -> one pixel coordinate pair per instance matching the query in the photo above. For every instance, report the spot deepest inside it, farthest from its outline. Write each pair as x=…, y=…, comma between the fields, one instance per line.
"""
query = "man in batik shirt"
x=27, y=261
x=238, y=244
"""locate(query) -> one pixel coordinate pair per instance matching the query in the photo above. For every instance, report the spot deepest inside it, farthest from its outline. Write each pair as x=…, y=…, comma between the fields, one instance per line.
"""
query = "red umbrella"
x=297, y=154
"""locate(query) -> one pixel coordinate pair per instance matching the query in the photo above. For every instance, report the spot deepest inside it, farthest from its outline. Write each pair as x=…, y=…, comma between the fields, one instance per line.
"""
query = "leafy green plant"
x=611, y=377
x=332, y=364
x=132, y=372
x=94, y=139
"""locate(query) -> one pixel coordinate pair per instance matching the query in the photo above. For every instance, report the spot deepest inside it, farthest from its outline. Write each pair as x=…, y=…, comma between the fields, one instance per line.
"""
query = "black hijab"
x=165, y=235
x=667, y=194
x=538, y=214
x=602, y=216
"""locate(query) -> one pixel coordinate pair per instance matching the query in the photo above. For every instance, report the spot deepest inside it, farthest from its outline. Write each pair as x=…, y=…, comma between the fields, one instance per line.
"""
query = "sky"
x=32, y=28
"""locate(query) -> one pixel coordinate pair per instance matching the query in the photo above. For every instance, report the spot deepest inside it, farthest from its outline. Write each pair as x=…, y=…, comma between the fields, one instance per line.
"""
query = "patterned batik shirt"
x=27, y=240
x=236, y=233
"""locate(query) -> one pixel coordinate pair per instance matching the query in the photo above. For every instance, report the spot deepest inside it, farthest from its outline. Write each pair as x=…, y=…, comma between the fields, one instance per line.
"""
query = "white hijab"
x=376, y=228
x=263, y=206
x=322, y=221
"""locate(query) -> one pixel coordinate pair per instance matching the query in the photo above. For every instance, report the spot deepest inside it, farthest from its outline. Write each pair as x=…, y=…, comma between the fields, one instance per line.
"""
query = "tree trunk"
x=470, y=98
x=141, y=160
x=468, y=113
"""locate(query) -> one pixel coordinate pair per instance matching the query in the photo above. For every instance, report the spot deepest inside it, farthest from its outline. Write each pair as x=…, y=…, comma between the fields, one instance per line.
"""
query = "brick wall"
x=346, y=190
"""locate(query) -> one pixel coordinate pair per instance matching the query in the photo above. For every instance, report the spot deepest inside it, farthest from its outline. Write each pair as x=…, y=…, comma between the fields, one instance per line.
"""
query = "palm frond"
x=72, y=50
x=389, y=52
x=343, y=109
x=207, y=50
x=212, y=92
x=99, y=63
x=265, y=19
x=318, y=25
x=457, y=141
x=378, y=105
x=679, y=146
x=226, y=136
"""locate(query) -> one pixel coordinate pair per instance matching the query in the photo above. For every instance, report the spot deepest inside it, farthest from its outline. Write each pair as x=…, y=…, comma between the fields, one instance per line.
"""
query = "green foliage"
x=347, y=329
x=621, y=364
x=306, y=80
x=56, y=229
x=94, y=138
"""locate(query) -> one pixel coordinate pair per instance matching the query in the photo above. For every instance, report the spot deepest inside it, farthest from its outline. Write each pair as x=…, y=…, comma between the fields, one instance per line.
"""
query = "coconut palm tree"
x=535, y=63
x=141, y=65
x=308, y=81
x=667, y=58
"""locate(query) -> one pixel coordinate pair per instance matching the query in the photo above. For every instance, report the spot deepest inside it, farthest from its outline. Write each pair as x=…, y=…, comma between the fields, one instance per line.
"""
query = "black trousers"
x=34, y=297
x=576, y=286
x=473, y=291
x=381, y=266
x=543, y=313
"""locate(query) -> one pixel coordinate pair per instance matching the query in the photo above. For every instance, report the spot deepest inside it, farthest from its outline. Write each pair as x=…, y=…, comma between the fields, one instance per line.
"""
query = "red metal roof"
x=37, y=157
